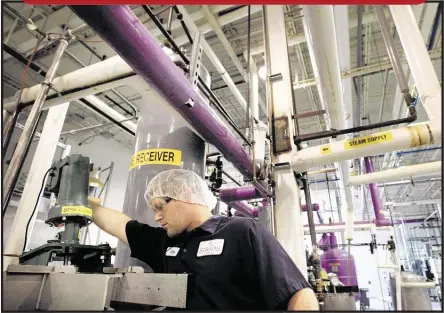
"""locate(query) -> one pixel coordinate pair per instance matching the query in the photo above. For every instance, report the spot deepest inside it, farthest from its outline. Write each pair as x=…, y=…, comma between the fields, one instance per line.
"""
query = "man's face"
x=171, y=214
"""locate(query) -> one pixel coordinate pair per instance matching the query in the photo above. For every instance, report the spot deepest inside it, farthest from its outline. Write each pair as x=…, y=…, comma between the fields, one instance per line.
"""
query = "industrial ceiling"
x=378, y=91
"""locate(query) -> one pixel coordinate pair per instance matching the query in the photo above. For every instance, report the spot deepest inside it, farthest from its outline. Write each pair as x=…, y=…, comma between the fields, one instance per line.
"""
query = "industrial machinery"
x=46, y=277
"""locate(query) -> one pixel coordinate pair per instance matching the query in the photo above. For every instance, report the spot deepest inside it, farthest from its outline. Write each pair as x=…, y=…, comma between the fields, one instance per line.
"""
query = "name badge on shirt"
x=210, y=247
x=172, y=251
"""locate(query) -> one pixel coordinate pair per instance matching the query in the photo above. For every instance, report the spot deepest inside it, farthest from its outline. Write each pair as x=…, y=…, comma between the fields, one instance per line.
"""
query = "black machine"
x=70, y=214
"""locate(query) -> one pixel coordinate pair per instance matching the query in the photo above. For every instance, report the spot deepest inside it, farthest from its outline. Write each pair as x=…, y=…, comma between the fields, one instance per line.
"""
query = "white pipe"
x=224, y=41
x=222, y=21
x=420, y=64
x=410, y=203
x=106, y=70
x=418, y=285
x=214, y=59
x=397, y=173
x=367, y=18
x=374, y=144
x=96, y=102
x=329, y=49
x=341, y=228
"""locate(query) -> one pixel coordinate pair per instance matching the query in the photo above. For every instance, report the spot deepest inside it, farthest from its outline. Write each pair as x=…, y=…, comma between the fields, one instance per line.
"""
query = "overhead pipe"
x=421, y=66
x=108, y=71
x=121, y=29
x=397, y=173
x=423, y=14
x=323, y=44
x=370, y=145
x=91, y=102
x=214, y=60
x=394, y=58
x=359, y=225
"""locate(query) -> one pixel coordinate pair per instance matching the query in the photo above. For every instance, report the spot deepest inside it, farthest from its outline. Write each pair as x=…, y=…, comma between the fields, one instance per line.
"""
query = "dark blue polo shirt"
x=235, y=263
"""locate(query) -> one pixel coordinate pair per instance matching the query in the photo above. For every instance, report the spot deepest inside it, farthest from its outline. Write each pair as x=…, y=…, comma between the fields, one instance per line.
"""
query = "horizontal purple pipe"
x=245, y=209
x=239, y=194
x=119, y=27
x=315, y=207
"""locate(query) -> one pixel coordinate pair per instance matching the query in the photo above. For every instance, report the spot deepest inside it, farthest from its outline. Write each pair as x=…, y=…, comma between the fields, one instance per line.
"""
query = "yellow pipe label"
x=367, y=140
x=156, y=156
x=74, y=209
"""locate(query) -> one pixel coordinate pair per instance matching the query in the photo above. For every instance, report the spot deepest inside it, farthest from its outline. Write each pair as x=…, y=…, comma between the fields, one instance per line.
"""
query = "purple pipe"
x=245, y=209
x=333, y=241
x=374, y=193
x=239, y=194
x=325, y=241
x=121, y=29
x=315, y=207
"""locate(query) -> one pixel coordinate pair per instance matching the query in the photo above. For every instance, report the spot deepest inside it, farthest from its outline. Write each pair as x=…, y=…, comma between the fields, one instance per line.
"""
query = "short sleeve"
x=278, y=275
x=146, y=243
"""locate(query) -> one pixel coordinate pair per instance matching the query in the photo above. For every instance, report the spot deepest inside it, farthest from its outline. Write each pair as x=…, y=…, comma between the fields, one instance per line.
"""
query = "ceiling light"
x=262, y=73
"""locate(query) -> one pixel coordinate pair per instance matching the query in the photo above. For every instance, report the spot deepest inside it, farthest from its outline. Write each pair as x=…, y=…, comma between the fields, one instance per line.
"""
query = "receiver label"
x=156, y=156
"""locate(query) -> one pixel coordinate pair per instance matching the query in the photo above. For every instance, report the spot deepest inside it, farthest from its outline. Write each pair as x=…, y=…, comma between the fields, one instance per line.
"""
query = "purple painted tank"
x=336, y=261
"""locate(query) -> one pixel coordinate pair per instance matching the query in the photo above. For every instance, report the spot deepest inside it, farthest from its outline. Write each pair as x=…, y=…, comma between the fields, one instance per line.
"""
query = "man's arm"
x=303, y=300
x=110, y=221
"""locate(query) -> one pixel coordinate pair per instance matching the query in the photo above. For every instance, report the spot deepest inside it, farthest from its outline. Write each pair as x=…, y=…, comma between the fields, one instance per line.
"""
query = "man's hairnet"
x=181, y=185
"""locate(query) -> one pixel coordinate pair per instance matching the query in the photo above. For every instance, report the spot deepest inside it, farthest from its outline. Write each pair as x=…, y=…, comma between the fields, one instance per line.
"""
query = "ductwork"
x=132, y=41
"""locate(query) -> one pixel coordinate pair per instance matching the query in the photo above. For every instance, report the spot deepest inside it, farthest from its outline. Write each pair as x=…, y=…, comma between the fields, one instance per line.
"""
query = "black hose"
x=185, y=28
x=333, y=133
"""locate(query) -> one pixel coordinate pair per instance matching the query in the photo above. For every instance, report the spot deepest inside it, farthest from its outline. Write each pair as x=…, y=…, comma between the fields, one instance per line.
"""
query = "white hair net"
x=181, y=185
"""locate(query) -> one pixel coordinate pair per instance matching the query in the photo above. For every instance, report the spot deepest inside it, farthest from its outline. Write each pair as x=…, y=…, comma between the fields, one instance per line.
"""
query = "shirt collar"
x=212, y=224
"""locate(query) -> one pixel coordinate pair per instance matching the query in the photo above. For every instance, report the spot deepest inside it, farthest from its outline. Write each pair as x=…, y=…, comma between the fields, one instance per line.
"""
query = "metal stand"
x=30, y=126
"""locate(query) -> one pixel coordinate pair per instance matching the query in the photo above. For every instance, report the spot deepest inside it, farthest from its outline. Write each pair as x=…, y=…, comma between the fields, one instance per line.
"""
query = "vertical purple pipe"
x=119, y=27
x=333, y=241
x=374, y=192
x=325, y=240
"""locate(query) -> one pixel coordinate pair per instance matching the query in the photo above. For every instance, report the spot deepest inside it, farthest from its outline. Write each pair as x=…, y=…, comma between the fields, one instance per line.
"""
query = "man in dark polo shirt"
x=234, y=263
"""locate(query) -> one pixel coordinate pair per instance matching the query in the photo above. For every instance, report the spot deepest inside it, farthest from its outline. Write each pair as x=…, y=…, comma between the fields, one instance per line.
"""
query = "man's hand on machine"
x=94, y=201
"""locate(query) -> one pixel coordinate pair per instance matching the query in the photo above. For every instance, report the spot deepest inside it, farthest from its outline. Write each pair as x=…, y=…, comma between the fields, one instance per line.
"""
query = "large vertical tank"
x=163, y=142
x=413, y=299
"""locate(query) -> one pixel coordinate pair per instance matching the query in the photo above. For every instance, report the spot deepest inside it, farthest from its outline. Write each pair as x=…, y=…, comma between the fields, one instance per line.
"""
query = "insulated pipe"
x=121, y=29
x=397, y=173
x=421, y=66
x=110, y=69
x=374, y=144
